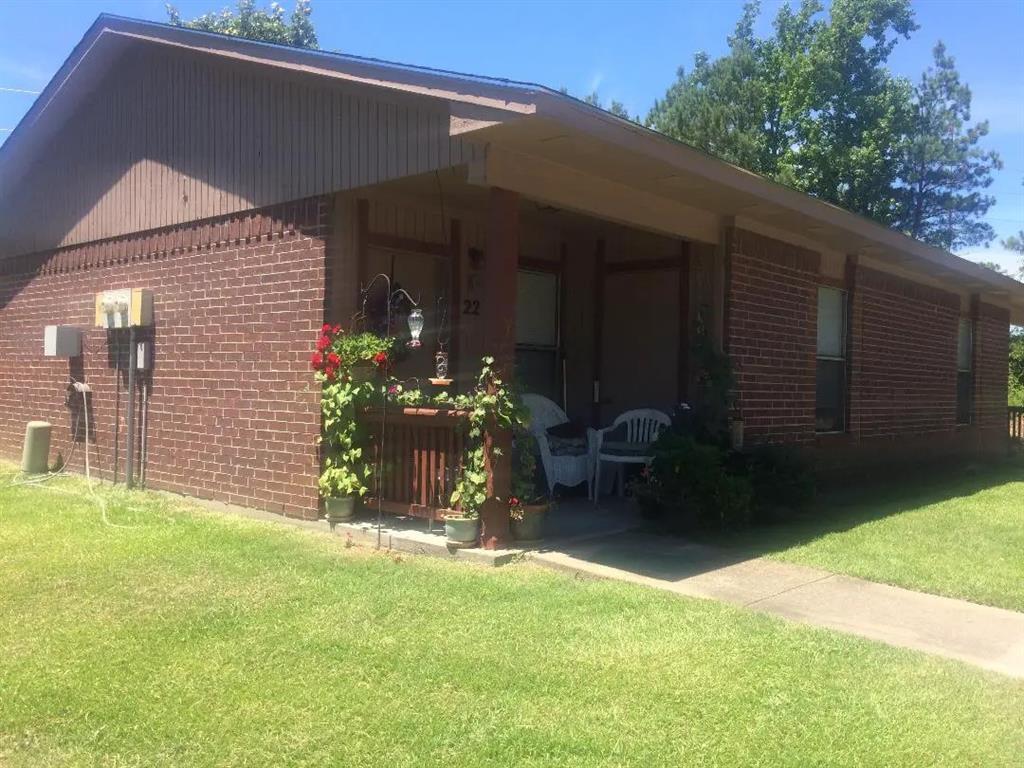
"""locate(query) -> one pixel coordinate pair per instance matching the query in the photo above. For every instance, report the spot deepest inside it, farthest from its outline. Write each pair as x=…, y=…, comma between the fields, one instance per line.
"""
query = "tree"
x=617, y=108
x=812, y=106
x=1015, y=243
x=256, y=24
x=944, y=170
x=993, y=266
x=1016, y=383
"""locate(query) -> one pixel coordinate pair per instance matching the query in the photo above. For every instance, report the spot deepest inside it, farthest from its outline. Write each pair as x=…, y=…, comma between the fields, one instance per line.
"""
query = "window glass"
x=831, y=322
x=537, y=309
x=830, y=407
x=963, y=347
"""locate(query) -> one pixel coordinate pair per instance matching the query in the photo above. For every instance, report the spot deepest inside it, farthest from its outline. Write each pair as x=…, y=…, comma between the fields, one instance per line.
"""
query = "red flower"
x=326, y=329
x=513, y=501
x=381, y=359
x=323, y=343
x=336, y=330
x=333, y=360
x=317, y=360
x=332, y=374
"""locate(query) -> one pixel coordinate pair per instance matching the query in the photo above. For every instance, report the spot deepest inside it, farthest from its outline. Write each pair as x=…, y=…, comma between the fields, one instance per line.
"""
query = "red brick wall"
x=902, y=359
x=991, y=342
x=771, y=336
x=233, y=411
x=903, y=356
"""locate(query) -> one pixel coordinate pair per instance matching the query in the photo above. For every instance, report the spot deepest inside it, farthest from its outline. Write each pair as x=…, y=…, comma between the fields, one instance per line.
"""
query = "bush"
x=691, y=484
x=687, y=485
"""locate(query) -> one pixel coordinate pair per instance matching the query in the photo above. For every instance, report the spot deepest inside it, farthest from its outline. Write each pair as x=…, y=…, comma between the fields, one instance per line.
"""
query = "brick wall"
x=991, y=342
x=903, y=356
x=771, y=336
x=902, y=359
x=233, y=411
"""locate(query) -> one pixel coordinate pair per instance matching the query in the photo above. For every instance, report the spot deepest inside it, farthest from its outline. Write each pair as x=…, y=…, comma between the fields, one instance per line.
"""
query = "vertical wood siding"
x=168, y=138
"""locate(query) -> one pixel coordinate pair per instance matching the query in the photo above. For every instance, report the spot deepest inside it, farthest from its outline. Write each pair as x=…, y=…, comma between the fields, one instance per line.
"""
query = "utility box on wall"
x=124, y=308
x=62, y=341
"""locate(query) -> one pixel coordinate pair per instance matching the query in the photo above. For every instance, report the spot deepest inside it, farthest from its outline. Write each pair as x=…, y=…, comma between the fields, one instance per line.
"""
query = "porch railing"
x=423, y=451
x=1015, y=417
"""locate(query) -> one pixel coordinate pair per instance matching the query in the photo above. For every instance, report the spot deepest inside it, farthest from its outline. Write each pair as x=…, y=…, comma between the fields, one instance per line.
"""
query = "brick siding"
x=233, y=411
x=771, y=336
x=902, y=358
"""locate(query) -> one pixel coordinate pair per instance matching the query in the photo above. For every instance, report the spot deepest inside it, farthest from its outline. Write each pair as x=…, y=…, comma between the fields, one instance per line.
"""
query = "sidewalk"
x=991, y=638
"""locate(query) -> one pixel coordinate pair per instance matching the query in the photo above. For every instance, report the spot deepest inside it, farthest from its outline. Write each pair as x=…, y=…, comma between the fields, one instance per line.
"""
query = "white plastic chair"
x=565, y=469
x=642, y=428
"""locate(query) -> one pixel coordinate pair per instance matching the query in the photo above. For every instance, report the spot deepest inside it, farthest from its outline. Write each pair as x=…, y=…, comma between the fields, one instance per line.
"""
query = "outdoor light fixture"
x=415, y=327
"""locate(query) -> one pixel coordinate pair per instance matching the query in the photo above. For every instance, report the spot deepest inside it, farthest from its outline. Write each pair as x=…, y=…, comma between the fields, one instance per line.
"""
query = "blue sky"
x=625, y=50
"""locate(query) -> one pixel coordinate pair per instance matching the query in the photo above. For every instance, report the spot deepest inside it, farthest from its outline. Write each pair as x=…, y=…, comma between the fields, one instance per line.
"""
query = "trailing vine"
x=491, y=404
x=338, y=361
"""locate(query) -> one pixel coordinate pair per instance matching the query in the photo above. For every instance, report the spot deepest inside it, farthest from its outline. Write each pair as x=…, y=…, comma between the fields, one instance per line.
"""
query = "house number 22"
x=471, y=306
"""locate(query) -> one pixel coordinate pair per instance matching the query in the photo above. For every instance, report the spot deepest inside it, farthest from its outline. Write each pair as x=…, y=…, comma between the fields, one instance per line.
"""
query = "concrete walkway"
x=991, y=638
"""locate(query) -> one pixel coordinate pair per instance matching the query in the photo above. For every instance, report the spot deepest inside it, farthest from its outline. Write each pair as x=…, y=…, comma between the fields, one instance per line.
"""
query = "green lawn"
x=960, y=533
x=167, y=636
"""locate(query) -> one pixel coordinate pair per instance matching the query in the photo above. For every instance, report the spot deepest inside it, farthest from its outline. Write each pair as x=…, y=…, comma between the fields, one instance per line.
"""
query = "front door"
x=639, y=341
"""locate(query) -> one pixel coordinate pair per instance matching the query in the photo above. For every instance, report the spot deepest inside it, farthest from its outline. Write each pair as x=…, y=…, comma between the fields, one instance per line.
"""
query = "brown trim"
x=455, y=304
x=407, y=244
x=362, y=235
x=726, y=246
x=599, y=276
x=850, y=286
x=683, y=360
x=563, y=297
x=640, y=265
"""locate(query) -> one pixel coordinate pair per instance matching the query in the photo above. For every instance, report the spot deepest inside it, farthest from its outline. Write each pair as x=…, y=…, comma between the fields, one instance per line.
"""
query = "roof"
x=486, y=100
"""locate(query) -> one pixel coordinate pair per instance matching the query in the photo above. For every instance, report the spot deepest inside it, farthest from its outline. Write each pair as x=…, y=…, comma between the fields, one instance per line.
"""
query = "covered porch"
x=596, y=314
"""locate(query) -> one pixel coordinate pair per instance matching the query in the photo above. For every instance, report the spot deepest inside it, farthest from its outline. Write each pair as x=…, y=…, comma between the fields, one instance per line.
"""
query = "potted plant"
x=345, y=474
x=528, y=507
x=462, y=522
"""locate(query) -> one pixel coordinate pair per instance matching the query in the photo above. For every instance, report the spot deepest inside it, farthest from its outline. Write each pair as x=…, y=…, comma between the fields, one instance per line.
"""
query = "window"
x=964, y=372
x=537, y=333
x=830, y=409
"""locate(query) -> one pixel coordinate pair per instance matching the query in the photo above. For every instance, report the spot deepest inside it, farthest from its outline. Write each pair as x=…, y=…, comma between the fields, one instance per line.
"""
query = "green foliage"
x=1016, y=384
x=688, y=484
x=252, y=23
x=943, y=170
x=525, y=488
x=814, y=106
x=491, y=404
x=344, y=396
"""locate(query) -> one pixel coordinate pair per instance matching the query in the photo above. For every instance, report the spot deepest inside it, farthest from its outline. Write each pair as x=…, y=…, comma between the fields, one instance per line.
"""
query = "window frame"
x=842, y=359
x=966, y=407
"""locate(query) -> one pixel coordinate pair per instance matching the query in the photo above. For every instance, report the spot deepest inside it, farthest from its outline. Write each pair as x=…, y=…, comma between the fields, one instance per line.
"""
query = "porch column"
x=499, y=338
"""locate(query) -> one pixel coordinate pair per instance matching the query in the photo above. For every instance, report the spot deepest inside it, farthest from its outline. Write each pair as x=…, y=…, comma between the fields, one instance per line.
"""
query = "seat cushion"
x=567, y=446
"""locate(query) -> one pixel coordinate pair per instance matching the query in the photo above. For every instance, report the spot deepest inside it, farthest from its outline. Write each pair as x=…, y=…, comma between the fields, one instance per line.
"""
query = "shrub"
x=688, y=485
x=781, y=480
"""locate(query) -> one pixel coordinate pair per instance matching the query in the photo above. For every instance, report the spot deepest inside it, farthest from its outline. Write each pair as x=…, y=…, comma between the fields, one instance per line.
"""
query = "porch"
x=595, y=315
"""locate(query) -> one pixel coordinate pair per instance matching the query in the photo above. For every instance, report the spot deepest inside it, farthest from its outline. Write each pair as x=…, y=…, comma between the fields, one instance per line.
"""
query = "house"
x=254, y=188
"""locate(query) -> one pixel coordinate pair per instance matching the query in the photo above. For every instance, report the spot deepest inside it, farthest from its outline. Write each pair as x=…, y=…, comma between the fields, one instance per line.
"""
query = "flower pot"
x=340, y=509
x=531, y=527
x=462, y=531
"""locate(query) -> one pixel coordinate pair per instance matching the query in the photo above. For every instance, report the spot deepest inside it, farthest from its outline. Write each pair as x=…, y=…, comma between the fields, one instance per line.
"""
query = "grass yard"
x=959, y=534
x=168, y=636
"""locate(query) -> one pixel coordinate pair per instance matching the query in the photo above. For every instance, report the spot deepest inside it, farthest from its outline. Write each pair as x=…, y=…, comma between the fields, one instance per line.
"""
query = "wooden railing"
x=423, y=450
x=1015, y=417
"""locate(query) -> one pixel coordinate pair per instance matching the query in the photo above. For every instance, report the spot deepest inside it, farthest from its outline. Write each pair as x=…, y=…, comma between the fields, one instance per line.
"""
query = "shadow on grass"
x=654, y=553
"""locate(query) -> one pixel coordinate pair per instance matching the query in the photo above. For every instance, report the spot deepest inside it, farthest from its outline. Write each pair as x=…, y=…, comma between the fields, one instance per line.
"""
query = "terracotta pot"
x=531, y=527
x=340, y=509
x=462, y=531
